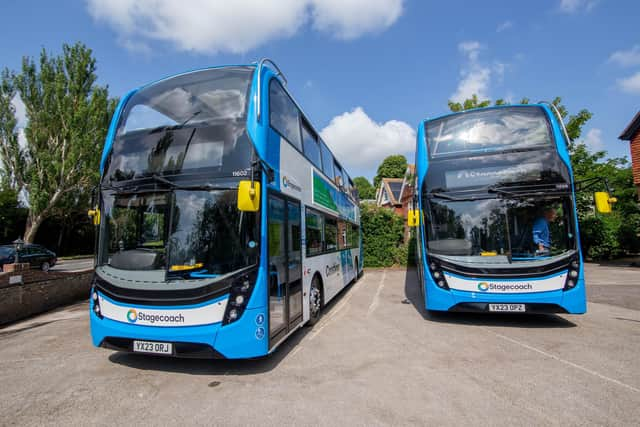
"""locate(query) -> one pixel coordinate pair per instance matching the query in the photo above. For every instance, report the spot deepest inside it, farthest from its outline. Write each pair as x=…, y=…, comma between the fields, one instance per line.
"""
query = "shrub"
x=600, y=236
x=382, y=233
x=629, y=234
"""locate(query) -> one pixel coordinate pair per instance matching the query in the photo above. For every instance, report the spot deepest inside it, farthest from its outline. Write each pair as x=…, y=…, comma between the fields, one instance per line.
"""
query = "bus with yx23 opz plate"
x=224, y=221
x=495, y=215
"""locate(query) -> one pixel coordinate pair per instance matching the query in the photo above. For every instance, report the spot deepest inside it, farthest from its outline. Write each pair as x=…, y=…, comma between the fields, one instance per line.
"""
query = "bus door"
x=285, y=266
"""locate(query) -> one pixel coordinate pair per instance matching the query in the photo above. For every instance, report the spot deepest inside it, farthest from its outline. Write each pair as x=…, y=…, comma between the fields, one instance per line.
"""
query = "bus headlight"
x=572, y=275
x=438, y=275
x=96, y=303
x=241, y=289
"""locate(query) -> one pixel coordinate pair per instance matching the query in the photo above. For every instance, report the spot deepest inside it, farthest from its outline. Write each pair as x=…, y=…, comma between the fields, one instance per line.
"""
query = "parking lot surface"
x=375, y=358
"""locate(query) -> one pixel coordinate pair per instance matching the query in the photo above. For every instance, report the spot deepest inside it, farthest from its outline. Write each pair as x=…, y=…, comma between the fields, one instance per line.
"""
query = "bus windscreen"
x=491, y=130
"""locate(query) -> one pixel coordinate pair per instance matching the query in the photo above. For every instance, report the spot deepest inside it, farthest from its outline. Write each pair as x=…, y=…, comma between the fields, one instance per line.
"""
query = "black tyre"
x=45, y=266
x=315, y=301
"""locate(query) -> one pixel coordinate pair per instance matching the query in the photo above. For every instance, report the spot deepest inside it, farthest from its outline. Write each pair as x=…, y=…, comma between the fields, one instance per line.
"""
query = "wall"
x=635, y=160
x=40, y=292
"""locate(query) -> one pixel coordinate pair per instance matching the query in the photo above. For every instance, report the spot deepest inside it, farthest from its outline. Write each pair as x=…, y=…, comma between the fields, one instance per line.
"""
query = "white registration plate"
x=507, y=307
x=152, y=347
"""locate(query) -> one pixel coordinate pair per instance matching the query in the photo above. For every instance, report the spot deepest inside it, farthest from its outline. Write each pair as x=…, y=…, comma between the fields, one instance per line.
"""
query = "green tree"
x=10, y=153
x=68, y=116
x=12, y=216
x=391, y=167
x=365, y=189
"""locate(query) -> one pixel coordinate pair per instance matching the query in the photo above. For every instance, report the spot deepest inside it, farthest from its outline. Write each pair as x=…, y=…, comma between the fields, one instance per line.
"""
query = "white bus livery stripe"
x=204, y=315
x=487, y=286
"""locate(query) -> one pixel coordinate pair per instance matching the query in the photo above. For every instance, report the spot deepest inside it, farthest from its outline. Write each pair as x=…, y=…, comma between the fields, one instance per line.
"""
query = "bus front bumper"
x=571, y=301
x=238, y=340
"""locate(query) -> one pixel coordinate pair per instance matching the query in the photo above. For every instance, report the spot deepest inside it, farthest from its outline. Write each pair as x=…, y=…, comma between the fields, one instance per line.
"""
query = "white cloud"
x=504, y=26
x=573, y=6
x=626, y=58
x=630, y=84
x=475, y=81
x=210, y=26
x=204, y=26
x=349, y=19
x=361, y=143
x=471, y=49
x=475, y=77
x=593, y=140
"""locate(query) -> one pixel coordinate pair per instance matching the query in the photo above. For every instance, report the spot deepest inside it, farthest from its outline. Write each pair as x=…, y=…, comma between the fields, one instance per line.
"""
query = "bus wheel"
x=315, y=301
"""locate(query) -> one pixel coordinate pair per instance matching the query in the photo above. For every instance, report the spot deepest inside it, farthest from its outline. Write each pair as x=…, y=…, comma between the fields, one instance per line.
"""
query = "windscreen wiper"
x=532, y=190
x=174, y=127
x=440, y=195
x=197, y=187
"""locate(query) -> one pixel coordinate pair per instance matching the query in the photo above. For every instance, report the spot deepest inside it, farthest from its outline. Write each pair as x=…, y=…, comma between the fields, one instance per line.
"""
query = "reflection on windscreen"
x=189, y=122
x=500, y=230
x=201, y=233
x=202, y=97
x=488, y=130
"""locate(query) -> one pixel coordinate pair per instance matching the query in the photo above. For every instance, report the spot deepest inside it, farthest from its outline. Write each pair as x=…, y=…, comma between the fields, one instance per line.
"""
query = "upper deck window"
x=198, y=98
x=193, y=122
x=490, y=130
x=311, y=148
x=284, y=116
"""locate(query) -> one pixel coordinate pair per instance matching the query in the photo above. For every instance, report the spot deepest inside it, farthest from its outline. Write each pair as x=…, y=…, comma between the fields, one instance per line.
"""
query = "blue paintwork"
x=113, y=127
x=237, y=340
x=574, y=300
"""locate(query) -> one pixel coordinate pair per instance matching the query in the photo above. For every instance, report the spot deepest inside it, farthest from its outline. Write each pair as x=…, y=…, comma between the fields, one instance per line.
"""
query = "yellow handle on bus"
x=248, y=196
x=604, y=201
x=95, y=215
x=413, y=218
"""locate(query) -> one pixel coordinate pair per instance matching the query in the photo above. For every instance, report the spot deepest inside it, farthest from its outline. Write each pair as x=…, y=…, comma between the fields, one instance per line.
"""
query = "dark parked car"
x=36, y=255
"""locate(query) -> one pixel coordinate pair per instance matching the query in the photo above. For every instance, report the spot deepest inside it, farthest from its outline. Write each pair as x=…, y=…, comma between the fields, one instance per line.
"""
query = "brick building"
x=397, y=194
x=632, y=134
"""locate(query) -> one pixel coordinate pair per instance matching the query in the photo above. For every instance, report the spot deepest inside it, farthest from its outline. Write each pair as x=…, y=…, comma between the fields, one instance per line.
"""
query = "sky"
x=366, y=72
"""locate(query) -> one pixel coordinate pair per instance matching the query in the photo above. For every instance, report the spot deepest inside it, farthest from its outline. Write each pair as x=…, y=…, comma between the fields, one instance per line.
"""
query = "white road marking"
x=335, y=312
x=376, y=297
x=566, y=362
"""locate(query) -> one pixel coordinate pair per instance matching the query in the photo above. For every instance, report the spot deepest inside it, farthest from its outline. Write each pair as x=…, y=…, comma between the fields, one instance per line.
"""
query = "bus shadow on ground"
x=234, y=367
x=254, y=366
x=507, y=320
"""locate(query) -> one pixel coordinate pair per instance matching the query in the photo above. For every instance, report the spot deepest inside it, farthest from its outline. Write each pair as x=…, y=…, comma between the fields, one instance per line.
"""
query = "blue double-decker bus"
x=225, y=222
x=497, y=229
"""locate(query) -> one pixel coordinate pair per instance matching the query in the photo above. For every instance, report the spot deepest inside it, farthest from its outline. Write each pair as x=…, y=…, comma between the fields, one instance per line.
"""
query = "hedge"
x=382, y=236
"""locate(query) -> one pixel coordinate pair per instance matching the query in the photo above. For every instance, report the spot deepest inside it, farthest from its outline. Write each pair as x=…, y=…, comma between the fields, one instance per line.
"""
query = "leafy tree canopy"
x=391, y=167
x=365, y=189
x=68, y=116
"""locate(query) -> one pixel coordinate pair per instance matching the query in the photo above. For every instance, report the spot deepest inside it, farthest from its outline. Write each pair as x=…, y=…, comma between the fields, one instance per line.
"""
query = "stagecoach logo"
x=505, y=286
x=132, y=316
x=466, y=177
x=333, y=269
x=287, y=183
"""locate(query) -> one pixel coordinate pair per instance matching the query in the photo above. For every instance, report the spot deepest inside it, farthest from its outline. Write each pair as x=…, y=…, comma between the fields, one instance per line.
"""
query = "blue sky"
x=365, y=71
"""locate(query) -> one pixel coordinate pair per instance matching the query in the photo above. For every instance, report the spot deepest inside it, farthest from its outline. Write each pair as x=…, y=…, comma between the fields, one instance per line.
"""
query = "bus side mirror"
x=94, y=214
x=604, y=202
x=248, y=196
x=413, y=218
